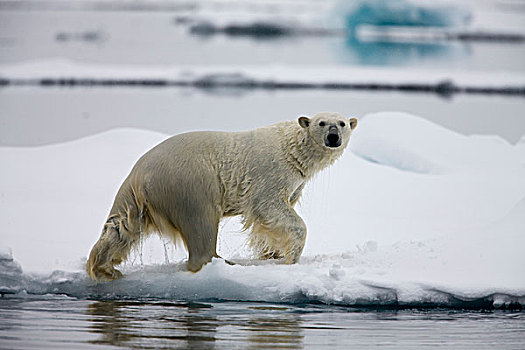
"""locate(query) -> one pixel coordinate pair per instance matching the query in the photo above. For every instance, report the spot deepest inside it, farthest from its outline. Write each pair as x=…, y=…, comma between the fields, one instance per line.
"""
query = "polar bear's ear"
x=304, y=121
x=353, y=123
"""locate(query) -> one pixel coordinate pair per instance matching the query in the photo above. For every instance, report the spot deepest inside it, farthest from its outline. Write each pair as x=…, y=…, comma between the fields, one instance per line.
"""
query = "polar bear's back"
x=204, y=150
x=204, y=169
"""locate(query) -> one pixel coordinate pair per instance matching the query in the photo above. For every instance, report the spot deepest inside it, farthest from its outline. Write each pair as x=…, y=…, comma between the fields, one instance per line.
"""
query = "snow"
x=54, y=197
x=412, y=214
x=397, y=149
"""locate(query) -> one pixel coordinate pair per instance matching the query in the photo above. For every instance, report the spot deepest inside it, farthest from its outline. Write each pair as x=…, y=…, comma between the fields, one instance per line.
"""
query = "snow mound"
x=412, y=215
x=407, y=142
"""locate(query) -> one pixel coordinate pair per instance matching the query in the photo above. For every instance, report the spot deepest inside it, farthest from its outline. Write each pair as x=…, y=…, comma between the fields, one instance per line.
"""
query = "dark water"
x=158, y=39
x=35, y=116
x=158, y=324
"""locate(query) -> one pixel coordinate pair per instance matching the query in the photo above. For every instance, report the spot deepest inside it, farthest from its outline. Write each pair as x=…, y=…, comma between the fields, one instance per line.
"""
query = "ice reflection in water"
x=192, y=326
x=121, y=323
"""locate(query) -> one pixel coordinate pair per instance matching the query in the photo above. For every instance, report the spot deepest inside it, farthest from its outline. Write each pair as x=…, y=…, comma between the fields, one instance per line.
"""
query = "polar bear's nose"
x=332, y=139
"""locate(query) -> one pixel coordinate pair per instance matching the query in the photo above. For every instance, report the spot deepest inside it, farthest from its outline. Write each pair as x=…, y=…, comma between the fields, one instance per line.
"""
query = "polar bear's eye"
x=321, y=124
x=342, y=124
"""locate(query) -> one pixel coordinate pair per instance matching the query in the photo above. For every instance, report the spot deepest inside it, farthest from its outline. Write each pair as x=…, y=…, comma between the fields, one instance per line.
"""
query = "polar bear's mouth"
x=333, y=140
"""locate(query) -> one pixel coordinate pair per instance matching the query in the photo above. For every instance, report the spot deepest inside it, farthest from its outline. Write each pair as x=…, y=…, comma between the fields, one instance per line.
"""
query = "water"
x=167, y=324
x=156, y=39
x=58, y=115
x=33, y=116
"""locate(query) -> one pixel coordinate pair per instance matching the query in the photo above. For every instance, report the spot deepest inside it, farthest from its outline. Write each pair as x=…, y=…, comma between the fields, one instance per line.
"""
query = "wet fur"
x=185, y=185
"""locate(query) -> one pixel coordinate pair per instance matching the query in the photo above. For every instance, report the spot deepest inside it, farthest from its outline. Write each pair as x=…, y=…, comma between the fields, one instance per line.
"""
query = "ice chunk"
x=90, y=36
x=404, y=13
x=11, y=280
x=6, y=253
x=225, y=80
x=258, y=30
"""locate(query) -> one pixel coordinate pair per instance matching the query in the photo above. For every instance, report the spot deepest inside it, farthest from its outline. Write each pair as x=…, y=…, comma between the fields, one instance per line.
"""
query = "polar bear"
x=184, y=186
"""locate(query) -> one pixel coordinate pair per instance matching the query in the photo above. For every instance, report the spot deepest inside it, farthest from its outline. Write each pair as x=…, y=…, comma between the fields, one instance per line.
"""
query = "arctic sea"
x=415, y=236
x=65, y=323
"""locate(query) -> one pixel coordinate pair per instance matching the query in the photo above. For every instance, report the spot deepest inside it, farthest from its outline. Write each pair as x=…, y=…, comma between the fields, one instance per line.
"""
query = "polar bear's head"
x=329, y=130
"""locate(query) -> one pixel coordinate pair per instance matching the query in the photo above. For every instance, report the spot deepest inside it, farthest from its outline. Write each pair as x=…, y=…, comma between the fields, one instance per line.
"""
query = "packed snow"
x=412, y=214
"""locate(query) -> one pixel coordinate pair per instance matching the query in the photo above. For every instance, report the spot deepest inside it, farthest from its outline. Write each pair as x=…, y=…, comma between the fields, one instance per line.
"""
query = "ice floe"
x=412, y=215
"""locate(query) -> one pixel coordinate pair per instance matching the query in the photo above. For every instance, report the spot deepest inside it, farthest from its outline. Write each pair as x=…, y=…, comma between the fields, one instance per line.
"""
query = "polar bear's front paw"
x=105, y=274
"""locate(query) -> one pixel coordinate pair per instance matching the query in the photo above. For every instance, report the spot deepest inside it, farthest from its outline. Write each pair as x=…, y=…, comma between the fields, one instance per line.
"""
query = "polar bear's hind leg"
x=111, y=249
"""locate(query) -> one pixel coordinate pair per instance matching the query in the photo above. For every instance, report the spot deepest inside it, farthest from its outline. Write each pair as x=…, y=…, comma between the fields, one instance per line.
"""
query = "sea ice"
x=412, y=214
x=405, y=13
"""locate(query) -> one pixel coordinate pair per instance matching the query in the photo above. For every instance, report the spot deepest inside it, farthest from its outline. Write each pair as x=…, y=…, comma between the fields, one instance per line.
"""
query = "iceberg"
x=405, y=13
